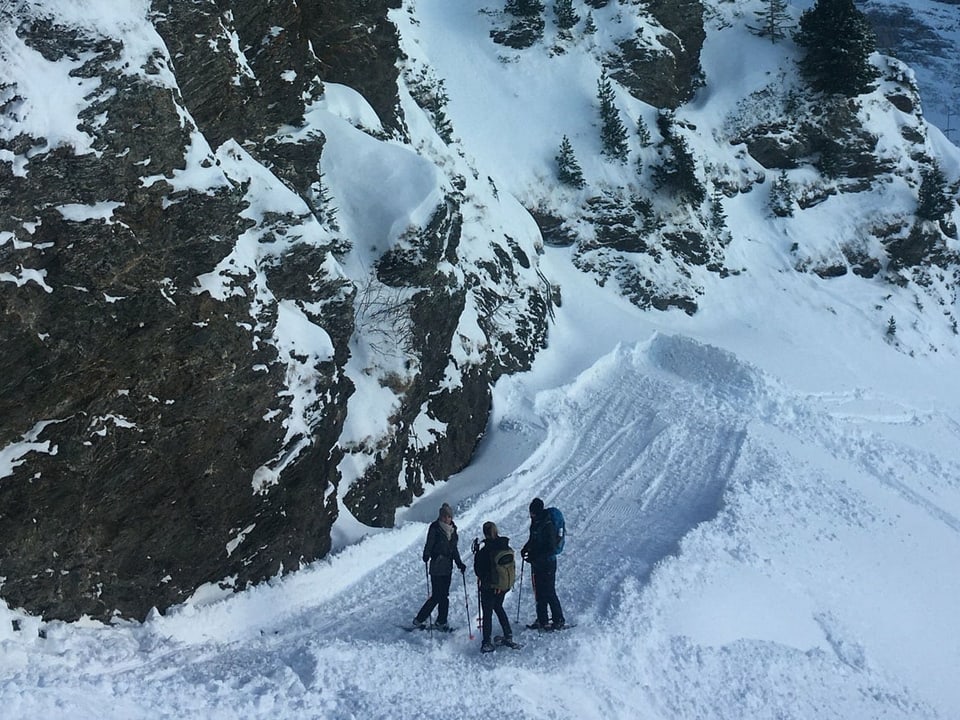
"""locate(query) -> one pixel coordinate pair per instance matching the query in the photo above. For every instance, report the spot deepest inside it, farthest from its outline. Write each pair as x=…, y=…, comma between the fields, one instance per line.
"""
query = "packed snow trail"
x=692, y=485
x=635, y=463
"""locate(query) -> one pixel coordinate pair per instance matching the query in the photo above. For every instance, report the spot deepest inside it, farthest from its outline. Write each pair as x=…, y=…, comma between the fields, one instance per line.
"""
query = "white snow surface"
x=762, y=500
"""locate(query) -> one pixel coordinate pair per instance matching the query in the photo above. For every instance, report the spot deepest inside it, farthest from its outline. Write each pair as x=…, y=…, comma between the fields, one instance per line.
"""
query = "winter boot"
x=487, y=646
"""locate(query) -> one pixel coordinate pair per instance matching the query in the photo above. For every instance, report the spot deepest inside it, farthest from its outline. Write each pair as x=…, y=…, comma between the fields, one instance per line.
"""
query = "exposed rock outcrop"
x=165, y=430
x=665, y=74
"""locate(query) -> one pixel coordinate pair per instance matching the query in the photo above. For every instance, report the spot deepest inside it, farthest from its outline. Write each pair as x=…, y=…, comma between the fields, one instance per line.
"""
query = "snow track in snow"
x=635, y=465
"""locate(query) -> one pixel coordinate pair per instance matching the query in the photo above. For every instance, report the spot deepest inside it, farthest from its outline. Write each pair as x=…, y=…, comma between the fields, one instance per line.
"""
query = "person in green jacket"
x=491, y=598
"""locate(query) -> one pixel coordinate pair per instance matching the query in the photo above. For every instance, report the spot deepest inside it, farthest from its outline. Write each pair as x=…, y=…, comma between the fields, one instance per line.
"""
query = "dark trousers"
x=491, y=602
x=439, y=599
x=545, y=591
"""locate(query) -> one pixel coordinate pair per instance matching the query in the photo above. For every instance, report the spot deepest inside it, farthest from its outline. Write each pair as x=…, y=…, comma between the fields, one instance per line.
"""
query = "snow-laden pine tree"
x=568, y=169
x=524, y=8
x=326, y=209
x=677, y=171
x=782, y=197
x=565, y=14
x=589, y=27
x=934, y=201
x=613, y=133
x=643, y=132
x=718, y=216
x=838, y=41
x=526, y=26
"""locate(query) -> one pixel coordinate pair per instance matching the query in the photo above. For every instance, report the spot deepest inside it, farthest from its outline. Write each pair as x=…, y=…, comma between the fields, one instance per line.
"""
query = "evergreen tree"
x=526, y=27
x=677, y=171
x=781, y=196
x=589, y=27
x=718, y=216
x=774, y=20
x=566, y=16
x=838, y=43
x=327, y=211
x=934, y=202
x=430, y=94
x=568, y=169
x=643, y=132
x=613, y=133
x=524, y=8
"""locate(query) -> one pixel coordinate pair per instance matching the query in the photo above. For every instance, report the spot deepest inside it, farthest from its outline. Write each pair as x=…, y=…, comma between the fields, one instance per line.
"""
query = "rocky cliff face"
x=164, y=430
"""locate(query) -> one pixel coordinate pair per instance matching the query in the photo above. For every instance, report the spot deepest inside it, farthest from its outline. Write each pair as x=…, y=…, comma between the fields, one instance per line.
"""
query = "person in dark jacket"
x=540, y=552
x=491, y=599
x=440, y=551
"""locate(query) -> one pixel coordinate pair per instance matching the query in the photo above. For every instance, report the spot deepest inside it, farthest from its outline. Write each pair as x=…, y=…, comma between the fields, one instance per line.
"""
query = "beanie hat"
x=536, y=506
x=490, y=530
x=445, y=511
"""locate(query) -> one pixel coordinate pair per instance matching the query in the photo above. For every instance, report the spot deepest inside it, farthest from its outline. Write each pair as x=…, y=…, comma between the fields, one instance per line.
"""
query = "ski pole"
x=466, y=601
x=479, y=607
x=520, y=592
x=533, y=584
x=426, y=571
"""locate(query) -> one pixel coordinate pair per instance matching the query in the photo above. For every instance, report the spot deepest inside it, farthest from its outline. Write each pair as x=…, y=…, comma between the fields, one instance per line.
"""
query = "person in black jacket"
x=440, y=551
x=491, y=599
x=540, y=552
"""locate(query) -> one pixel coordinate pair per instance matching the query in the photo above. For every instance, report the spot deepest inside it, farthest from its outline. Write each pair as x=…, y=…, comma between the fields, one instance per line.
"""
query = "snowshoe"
x=425, y=626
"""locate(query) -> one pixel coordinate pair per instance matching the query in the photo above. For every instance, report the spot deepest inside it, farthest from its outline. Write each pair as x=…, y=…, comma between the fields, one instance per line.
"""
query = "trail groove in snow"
x=636, y=463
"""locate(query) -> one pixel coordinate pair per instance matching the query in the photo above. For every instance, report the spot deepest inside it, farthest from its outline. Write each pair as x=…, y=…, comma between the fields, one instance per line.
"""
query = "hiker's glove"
x=525, y=554
x=462, y=566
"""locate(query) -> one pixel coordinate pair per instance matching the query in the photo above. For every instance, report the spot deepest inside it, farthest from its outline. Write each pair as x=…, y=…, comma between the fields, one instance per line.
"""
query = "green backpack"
x=504, y=570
